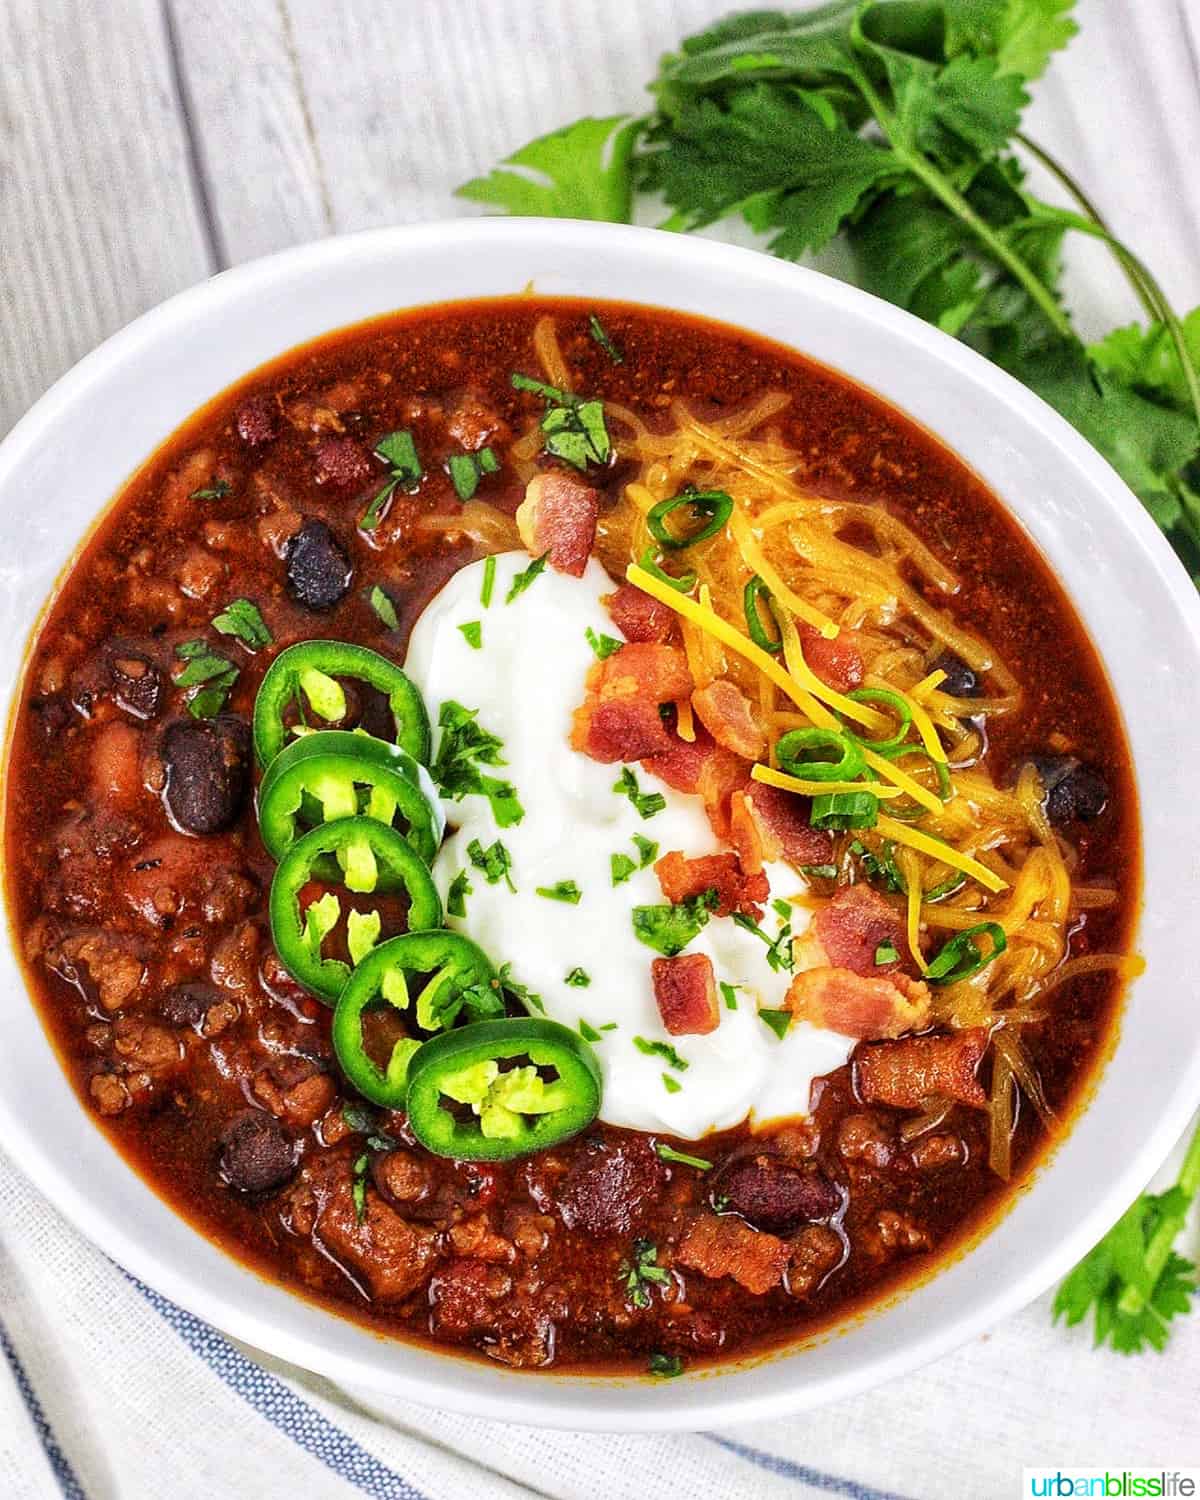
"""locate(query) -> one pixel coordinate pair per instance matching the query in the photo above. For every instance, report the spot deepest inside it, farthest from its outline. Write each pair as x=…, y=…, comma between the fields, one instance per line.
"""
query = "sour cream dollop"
x=524, y=679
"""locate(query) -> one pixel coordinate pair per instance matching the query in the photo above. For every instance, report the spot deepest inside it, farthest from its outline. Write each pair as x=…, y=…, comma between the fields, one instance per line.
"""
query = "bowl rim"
x=528, y=1397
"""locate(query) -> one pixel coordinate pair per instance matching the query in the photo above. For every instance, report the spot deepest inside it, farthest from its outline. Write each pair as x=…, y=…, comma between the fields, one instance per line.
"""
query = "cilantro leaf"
x=579, y=172
x=242, y=619
x=668, y=929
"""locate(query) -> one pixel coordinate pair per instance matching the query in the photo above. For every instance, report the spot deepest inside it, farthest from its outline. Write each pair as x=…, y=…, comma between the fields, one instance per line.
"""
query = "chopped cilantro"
x=465, y=470
x=240, y=618
x=561, y=890
x=464, y=746
x=472, y=633
x=382, y=605
x=622, y=867
x=669, y=1153
x=672, y=1085
x=886, y=953
x=660, y=1049
x=779, y=948
x=526, y=577
x=602, y=645
x=489, y=580
x=588, y=1032
x=456, y=896
x=729, y=991
x=600, y=334
x=216, y=489
x=647, y=849
x=399, y=452
x=578, y=979
x=211, y=675
x=573, y=426
x=528, y=998
x=358, y=1190
x=668, y=929
x=643, y=1271
x=646, y=803
x=777, y=1020
x=495, y=862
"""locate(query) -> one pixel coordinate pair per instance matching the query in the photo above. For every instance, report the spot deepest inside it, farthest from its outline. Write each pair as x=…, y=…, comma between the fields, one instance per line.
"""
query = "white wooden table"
x=147, y=144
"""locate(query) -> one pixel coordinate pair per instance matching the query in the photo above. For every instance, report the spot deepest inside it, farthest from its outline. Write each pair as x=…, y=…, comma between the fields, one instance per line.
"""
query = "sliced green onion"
x=962, y=956
x=946, y=888
x=754, y=624
x=798, y=753
x=839, y=810
x=897, y=705
x=648, y=562
x=715, y=504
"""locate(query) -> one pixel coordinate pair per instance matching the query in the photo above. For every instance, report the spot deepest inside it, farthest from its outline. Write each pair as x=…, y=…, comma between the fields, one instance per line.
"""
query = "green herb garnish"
x=526, y=577
x=466, y=469
x=588, y=1032
x=399, y=452
x=602, y=645
x=495, y=861
x=382, y=605
x=212, y=676
x=600, y=334
x=777, y=1020
x=660, y=1049
x=729, y=991
x=456, y=896
x=647, y=803
x=489, y=580
x=638, y=1275
x=573, y=426
x=666, y=1366
x=472, y=633
x=622, y=867
x=779, y=947
x=358, y=1190
x=669, y=1153
x=1134, y=1282
x=672, y=1085
x=886, y=953
x=465, y=746
x=240, y=618
x=216, y=489
x=561, y=890
x=527, y=997
x=668, y=929
x=578, y=979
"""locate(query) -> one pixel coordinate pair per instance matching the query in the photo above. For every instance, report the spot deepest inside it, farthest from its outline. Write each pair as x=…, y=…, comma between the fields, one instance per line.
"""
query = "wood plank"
x=256, y=150
x=100, y=215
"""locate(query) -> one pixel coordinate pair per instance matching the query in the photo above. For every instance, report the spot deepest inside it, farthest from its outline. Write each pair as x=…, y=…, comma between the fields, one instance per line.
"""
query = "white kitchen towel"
x=110, y=1392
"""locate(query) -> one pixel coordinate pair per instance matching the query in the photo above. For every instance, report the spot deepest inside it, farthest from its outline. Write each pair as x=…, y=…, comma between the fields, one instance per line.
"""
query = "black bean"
x=773, y=1195
x=137, y=682
x=318, y=570
x=256, y=1152
x=962, y=681
x=1074, y=791
x=611, y=1187
x=188, y=1004
x=207, y=766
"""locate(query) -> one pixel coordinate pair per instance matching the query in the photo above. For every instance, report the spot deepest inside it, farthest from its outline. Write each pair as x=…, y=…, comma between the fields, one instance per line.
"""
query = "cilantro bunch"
x=893, y=126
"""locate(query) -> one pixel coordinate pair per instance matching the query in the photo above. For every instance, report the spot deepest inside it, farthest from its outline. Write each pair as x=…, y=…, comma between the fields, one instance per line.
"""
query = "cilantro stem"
x=1153, y=308
x=1158, y=1251
x=924, y=170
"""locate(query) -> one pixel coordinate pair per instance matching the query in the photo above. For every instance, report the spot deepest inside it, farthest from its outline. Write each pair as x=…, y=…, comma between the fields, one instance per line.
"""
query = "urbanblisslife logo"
x=1113, y=1484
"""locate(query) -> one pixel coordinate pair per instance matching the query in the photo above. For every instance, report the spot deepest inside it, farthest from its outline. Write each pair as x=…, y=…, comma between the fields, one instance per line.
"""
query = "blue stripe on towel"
x=58, y=1460
x=280, y=1405
x=832, y=1484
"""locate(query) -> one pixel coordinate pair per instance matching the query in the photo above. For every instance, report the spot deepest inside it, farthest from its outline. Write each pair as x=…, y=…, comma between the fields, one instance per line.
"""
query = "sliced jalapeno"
x=308, y=674
x=363, y=855
x=460, y=977
x=335, y=773
x=550, y=1092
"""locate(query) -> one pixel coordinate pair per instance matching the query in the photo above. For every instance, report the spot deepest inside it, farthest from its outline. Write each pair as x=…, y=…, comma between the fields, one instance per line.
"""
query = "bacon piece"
x=643, y=669
x=847, y=932
x=838, y=662
x=725, y=712
x=724, y=1245
x=639, y=617
x=686, y=992
x=622, y=729
x=906, y=1073
x=858, y=1005
x=558, y=516
x=770, y=824
x=682, y=878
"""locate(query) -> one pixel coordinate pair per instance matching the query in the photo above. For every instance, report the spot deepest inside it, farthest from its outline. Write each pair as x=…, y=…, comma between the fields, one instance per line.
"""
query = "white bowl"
x=63, y=463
